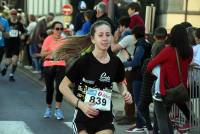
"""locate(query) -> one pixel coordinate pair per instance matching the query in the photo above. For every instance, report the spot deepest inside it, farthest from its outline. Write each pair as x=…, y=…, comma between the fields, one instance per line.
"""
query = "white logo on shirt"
x=104, y=77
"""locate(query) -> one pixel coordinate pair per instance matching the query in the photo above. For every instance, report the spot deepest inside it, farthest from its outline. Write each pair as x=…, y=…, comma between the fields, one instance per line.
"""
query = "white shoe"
x=19, y=63
x=28, y=67
x=135, y=130
x=44, y=89
x=36, y=72
x=157, y=97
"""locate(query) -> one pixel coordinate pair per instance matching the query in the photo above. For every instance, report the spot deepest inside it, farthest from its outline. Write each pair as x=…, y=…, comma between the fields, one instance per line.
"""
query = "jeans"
x=162, y=114
x=35, y=61
x=136, y=93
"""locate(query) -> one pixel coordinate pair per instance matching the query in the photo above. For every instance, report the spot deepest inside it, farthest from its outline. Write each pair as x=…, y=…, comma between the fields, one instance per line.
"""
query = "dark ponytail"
x=179, y=40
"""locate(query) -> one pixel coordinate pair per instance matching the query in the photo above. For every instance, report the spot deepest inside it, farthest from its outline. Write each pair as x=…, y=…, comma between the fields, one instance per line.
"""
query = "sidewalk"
x=118, y=103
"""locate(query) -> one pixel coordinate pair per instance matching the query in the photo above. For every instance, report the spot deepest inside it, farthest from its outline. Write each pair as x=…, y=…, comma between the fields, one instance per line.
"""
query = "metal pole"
x=111, y=9
x=186, y=10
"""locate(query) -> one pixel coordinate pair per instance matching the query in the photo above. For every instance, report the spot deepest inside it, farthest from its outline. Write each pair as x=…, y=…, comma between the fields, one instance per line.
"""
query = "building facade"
x=168, y=12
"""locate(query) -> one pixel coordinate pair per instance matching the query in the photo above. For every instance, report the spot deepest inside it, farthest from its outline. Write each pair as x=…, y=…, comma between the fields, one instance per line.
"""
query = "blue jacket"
x=142, y=51
x=84, y=29
x=6, y=27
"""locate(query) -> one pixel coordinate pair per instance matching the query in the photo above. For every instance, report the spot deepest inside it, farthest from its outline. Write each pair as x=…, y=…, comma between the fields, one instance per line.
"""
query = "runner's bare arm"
x=125, y=93
x=71, y=98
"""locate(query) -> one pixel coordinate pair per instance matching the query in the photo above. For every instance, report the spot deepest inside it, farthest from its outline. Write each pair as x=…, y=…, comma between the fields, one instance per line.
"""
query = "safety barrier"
x=194, y=84
x=176, y=115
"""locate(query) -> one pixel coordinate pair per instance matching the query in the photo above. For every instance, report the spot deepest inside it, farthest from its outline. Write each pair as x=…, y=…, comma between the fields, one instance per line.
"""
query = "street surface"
x=22, y=107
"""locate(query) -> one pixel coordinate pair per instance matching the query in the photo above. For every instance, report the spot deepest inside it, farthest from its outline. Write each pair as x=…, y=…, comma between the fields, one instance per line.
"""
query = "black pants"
x=146, y=95
x=129, y=108
x=1, y=53
x=51, y=74
x=162, y=111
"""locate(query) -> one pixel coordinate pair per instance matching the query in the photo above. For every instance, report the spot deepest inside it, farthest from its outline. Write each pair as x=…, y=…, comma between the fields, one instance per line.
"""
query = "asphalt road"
x=22, y=104
x=21, y=109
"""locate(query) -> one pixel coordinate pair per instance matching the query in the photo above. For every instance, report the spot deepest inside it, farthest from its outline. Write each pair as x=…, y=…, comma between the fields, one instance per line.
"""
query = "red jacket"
x=136, y=20
x=169, y=68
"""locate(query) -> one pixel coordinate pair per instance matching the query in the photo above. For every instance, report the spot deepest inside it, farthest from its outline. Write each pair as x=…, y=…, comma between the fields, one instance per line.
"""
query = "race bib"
x=101, y=99
x=13, y=33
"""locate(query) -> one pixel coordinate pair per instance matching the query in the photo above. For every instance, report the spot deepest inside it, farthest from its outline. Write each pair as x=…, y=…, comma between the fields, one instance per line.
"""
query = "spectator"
x=125, y=46
x=133, y=11
x=42, y=28
x=54, y=70
x=160, y=37
x=191, y=35
x=88, y=15
x=141, y=53
x=123, y=29
x=30, y=29
x=101, y=14
x=169, y=72
x=196, y=48
x=79, y=18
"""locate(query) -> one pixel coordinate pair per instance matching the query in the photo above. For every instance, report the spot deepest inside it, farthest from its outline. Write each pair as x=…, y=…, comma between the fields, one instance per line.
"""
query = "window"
x=58, y=6
x=30, y=6
x=35, y=10
x=52, y=6
x=46, y=6
x=193, y=5
x=172, y=5
x=40, y=6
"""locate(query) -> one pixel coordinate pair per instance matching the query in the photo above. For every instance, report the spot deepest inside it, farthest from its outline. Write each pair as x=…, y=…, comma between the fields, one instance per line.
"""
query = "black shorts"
x=104, y=121
x=11, y=50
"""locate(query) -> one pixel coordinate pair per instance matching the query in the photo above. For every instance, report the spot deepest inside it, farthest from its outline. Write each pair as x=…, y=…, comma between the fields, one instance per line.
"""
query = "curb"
x=30, y=75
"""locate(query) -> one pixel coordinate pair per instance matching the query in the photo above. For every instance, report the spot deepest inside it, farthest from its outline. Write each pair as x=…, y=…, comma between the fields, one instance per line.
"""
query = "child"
x=160, y=37
x=135, y=18
x=148, y=80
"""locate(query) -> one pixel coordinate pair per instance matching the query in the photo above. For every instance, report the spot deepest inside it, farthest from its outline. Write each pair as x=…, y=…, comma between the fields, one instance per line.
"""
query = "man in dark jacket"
x=42, y=28
x=102, y=15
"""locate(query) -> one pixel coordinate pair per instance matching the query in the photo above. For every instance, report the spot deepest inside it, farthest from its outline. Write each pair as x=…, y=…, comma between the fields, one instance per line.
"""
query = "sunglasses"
x=59, y=28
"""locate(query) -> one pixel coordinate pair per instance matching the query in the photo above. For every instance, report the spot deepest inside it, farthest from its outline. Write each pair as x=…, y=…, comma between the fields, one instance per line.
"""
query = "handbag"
x=178, y=94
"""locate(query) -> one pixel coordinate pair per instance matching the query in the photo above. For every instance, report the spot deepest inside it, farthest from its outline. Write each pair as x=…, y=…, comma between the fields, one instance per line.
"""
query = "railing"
x=194, y=84
x=177, y=117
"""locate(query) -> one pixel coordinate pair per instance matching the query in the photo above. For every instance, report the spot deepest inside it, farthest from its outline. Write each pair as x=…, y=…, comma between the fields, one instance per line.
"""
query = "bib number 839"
x=98, y=100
